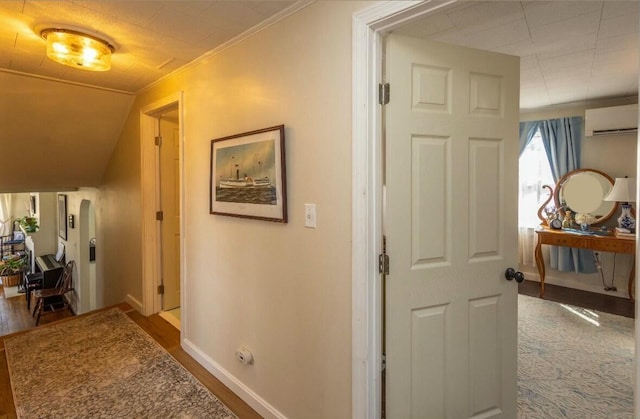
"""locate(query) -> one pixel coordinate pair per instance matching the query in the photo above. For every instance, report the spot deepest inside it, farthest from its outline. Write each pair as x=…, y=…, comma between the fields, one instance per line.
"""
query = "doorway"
x=169, y=188
x=161, y=144
x=368, y=197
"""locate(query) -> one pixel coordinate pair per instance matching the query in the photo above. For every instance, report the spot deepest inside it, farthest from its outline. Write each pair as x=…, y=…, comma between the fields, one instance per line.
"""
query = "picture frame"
x=248, y=175
x=33, y=208
x=62, y=216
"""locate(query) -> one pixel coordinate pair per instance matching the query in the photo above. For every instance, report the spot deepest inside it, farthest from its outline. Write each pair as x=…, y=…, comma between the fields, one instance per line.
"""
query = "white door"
x=450, y=223
x=170, y=204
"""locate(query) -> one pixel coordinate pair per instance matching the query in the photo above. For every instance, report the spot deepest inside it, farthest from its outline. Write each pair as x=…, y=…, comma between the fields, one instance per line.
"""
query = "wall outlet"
x=244, y=355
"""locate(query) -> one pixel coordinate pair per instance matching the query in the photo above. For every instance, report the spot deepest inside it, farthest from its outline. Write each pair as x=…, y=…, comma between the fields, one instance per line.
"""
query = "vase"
x=626, y=220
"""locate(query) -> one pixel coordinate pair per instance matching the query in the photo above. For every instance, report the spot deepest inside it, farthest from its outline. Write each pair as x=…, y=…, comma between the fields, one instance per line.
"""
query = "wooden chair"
x=54, y=299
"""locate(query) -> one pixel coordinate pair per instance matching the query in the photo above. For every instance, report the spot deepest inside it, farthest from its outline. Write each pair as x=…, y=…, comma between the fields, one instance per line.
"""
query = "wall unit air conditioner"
x=612, y=120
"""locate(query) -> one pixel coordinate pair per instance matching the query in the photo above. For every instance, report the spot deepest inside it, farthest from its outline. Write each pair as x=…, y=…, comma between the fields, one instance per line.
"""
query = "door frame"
x=88, y=281
x=150, y=202
x=367, y=197
x=368, y=26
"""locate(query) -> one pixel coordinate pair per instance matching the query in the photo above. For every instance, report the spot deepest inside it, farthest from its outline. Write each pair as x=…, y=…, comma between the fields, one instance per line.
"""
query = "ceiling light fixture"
x=78, y=49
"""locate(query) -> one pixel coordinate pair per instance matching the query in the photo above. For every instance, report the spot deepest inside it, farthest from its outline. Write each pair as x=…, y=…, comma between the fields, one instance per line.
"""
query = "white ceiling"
x=571, y=51
x=152, y=38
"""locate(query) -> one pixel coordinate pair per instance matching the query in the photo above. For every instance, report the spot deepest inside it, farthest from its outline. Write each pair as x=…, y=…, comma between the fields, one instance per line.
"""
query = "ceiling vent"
x=612, y=120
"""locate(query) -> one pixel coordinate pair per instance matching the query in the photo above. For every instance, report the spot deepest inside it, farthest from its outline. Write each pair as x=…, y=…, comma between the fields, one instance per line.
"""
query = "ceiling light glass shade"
x=78, y=50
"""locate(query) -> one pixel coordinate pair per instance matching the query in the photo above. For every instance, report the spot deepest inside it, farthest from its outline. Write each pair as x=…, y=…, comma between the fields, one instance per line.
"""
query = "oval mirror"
x=583, y=191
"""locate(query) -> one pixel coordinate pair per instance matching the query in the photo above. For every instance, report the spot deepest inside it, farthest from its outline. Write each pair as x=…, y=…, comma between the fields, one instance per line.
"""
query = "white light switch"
x=310, y=215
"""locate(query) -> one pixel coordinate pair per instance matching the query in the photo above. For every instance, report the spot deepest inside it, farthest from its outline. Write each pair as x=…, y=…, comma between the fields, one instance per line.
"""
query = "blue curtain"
x=561, y=139
x=527, y=131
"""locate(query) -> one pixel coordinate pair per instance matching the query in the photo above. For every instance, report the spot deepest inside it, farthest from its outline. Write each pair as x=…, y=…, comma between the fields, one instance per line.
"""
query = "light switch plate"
x=310, y=215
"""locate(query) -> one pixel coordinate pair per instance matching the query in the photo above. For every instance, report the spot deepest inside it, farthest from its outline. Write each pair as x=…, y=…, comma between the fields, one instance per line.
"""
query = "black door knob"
x=511, y=273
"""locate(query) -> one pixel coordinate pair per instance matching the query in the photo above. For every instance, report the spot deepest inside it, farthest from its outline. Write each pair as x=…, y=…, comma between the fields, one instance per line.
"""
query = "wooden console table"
x=600, y=243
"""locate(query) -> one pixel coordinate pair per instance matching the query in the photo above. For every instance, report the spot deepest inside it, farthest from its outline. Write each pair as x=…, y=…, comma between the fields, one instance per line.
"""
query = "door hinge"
x=383, y=264
x=384, y=362
x=159, y=215
x=383, y=93
x=158, y=140
x=160, y=289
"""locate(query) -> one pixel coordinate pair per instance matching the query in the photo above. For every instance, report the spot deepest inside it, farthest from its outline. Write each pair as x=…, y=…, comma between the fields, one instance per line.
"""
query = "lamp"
x=624, y=190
x=78, y=49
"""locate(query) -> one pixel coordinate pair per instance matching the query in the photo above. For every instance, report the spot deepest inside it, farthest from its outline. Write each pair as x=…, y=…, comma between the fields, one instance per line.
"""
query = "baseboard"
x=137, y=305
x=256, y=402
x=575, y=283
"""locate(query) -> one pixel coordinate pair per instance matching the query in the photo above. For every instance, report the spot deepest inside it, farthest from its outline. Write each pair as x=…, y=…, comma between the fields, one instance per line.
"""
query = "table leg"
x=632, y=278
x=540, y=265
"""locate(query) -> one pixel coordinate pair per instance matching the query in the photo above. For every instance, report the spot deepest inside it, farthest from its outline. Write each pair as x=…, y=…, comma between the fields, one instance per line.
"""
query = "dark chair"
x=32, y=282
x=37, y=280
x=54, y=299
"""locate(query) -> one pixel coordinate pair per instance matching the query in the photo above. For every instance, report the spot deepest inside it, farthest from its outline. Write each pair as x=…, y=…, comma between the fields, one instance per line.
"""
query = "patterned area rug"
x=573, y=362
x=102, y=366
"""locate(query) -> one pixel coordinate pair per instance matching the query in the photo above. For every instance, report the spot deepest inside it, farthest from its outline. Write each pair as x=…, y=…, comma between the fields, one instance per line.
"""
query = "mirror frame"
x=563, y=179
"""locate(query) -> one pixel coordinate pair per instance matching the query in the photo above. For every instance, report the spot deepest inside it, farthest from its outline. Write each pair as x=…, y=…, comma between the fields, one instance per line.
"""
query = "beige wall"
x=45, y=238
x=614, y=155
x=73, y=251
x=118, y=216
x=282, y=290
x=19, y=205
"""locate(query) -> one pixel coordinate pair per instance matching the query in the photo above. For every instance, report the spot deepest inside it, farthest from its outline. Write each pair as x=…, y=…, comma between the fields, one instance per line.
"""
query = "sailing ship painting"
x=248, y=176
x=245, y=172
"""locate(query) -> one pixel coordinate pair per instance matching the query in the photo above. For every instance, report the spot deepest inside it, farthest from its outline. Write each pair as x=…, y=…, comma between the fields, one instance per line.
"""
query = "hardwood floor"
x=15, y=318
x=591, y=300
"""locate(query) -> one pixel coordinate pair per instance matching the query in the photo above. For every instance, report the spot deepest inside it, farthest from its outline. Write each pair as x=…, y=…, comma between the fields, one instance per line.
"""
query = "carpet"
x=102, y=366
x=573, y=362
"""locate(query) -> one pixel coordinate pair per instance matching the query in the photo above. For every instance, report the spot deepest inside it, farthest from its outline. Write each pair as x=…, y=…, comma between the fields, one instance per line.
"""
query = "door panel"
x=170, y=204
x=450, y=226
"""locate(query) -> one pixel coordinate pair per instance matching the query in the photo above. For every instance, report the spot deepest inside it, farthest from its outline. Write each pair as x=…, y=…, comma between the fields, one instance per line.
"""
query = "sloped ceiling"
x=51, y=139
x=60, y=125
x=56, y=136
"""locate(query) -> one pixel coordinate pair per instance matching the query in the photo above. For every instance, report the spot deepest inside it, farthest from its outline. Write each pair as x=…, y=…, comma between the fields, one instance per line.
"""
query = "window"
x=533, y=174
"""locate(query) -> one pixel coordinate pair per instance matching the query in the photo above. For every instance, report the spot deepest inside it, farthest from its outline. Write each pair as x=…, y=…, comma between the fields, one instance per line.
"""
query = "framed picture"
x=32, y=204
x=62, y=216
x=247, y=177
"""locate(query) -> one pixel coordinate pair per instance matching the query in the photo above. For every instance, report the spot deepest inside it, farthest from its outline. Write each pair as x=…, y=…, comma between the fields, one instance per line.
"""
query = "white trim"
x=366, y=333
x=366, y=348
x=73, y=83
x=134, y=302
x=636, y=380
x=256, y=402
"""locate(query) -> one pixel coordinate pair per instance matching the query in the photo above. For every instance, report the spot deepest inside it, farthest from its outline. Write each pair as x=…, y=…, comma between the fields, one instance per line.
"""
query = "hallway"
x=15, y=318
